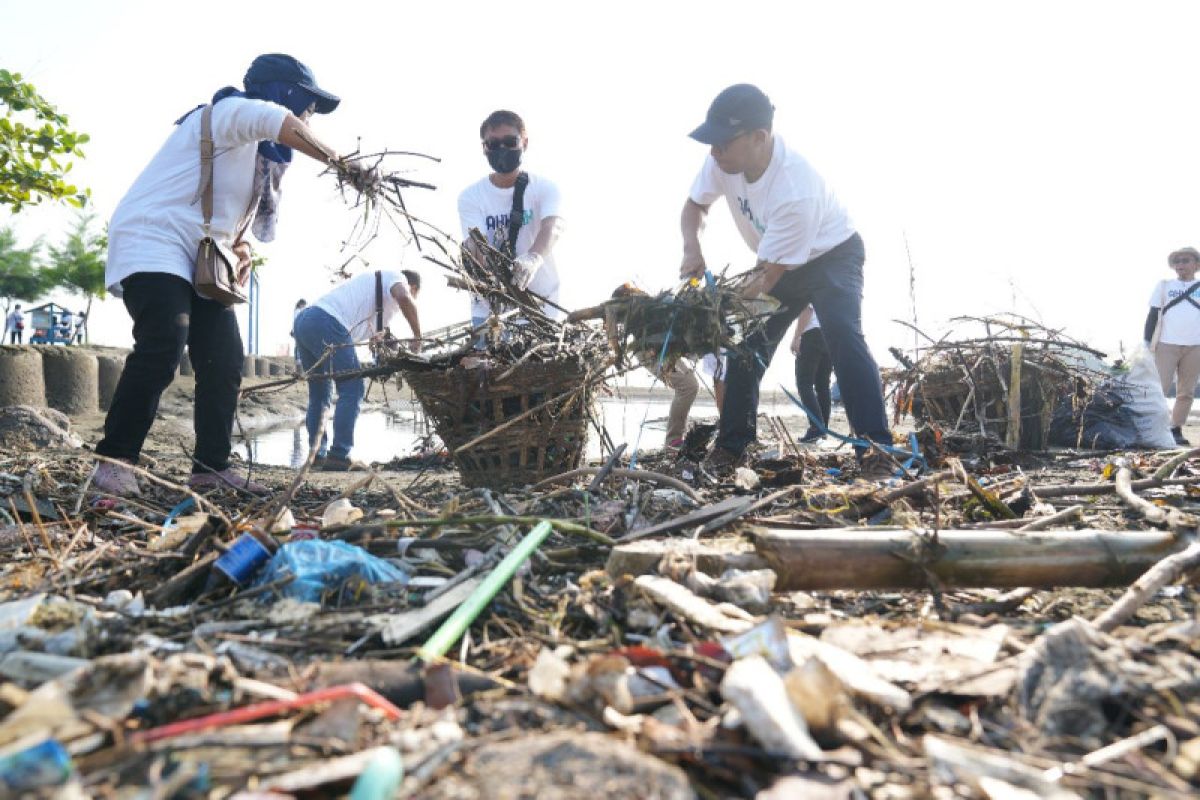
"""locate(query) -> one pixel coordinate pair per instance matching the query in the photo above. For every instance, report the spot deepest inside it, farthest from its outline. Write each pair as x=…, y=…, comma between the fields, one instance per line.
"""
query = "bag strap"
x=1186, y=294
x=207, y=152
x=378, y=301
x=516, y=217
x=204, y=191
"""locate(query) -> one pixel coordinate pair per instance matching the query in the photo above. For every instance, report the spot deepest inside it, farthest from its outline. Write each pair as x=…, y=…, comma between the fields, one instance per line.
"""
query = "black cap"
x=280, y=67
x=740, y=108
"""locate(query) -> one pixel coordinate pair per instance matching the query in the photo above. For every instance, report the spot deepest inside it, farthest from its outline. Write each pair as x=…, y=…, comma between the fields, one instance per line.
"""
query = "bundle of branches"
x=690, y=321
x=366, y=184
x=1010, y=377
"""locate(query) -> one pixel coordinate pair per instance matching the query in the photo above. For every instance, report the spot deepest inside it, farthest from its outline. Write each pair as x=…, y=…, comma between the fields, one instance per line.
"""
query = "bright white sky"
x=1039, y=156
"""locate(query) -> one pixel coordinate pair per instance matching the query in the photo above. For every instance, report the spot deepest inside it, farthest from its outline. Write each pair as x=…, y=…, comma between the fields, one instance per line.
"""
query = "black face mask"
x=505, y=159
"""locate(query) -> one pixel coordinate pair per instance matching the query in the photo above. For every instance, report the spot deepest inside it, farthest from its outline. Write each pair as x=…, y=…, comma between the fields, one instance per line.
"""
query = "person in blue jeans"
x=326, y=334
x=808, y=252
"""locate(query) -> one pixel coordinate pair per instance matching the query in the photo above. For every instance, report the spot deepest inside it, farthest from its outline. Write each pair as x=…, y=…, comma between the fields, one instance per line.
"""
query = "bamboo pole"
x=854, y=558
x=1013, y=435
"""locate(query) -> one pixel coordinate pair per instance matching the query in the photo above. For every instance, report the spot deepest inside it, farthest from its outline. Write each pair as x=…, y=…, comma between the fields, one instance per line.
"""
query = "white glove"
x=524, y=268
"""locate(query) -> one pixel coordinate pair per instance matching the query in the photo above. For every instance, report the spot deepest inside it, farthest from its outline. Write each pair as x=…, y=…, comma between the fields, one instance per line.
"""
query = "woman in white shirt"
x=153, y=239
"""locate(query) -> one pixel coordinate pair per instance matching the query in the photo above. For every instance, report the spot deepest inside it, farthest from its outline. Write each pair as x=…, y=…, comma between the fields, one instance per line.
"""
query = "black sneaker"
x=721, y=462
x=332, y=463
x=1179, y=440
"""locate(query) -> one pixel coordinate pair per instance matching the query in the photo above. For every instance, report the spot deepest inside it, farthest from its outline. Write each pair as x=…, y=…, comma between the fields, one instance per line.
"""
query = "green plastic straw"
x=452, y=629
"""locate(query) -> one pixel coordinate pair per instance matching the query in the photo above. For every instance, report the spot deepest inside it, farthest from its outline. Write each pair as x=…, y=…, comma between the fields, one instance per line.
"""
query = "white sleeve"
x=708, y=185
x=397, y=279
x=1156, y=299
x=549, y=200
x=790, y=233
x=238, y=121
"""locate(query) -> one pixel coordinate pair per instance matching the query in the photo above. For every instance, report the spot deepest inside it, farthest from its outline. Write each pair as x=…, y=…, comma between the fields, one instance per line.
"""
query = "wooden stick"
x=1013, y=434
x=1147, y=585
x=854, y=558
x=1154, y=514
x=494, y=519
x=635, y=474
x=1041, y=523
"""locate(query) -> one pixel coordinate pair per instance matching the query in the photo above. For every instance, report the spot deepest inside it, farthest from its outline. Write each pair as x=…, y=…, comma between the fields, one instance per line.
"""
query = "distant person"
x=678, y=377
x=808, y=252
x=1172, y=331
x=65, y=332
x=813, y=369
x=354, y=312
x=15, y=324
x=153, y=240
x=301, y=304
x=80, y=323
x=518, y=212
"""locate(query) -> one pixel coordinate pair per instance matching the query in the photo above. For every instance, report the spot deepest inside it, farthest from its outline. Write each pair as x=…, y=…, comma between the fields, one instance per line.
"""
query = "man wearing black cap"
x=808, y=252
x=152, y=243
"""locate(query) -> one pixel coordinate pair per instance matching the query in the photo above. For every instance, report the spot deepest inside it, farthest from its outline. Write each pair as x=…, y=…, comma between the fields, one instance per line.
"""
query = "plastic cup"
x=243, y=558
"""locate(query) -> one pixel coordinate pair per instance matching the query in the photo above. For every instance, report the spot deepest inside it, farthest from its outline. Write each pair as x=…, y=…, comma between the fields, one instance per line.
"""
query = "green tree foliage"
x=78, y=265
x=20, y=276
x=35, y=148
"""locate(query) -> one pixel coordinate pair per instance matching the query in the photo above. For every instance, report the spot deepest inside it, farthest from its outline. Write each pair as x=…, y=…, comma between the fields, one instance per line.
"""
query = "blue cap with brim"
x=740, y=108
x=280, y=67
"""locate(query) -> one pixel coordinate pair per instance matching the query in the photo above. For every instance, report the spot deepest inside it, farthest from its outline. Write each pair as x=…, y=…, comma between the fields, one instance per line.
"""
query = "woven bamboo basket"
x=466, y=403
x=946, y=389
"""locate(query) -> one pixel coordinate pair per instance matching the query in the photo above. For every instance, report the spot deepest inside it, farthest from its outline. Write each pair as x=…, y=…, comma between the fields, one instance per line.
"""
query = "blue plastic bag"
x=322, y=568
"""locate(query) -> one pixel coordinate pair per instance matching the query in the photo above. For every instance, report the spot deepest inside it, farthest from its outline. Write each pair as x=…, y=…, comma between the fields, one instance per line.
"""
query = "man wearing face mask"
x=517, y=211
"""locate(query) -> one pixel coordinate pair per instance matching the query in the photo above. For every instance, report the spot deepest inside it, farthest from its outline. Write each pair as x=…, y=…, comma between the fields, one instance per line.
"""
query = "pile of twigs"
x=1010, y=374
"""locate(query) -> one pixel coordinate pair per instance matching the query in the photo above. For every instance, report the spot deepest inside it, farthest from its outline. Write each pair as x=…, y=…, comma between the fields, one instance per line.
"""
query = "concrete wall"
x=21, y=382
x=71, y=377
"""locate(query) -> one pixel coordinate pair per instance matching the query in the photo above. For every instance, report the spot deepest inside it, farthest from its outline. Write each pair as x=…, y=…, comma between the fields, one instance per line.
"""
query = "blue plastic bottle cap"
x=242, y=559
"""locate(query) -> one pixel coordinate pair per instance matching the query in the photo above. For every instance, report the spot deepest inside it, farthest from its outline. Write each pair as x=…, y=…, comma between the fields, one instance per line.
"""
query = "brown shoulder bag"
x=217, y=276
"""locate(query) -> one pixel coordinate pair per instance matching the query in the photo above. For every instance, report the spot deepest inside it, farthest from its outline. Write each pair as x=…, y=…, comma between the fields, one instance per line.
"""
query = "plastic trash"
x=244, y=558
x=381, y=778
x=26, y=766
x=340, y=512
x=320, y=567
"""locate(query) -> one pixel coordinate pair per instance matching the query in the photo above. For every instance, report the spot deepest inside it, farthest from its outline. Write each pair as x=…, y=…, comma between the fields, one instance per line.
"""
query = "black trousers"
x=813, y=368
x=833, y=283
x=168, y=315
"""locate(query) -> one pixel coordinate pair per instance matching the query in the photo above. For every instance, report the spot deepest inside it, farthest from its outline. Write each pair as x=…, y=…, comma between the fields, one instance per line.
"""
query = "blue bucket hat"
x=272, y=67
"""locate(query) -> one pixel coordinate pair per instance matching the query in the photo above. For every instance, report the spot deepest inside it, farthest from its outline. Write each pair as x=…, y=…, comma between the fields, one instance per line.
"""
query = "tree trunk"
x=855, y=558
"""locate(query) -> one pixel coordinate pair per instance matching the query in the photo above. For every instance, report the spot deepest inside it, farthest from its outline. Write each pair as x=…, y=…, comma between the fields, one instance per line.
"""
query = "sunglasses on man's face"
x=507, y=142
x=1182, y=260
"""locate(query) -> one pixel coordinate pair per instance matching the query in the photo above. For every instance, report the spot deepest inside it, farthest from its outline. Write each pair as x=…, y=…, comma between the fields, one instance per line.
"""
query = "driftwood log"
x=855, y=558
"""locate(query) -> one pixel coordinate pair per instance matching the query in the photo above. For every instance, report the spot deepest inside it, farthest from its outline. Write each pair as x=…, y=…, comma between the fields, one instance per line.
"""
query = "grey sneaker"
x=115, y=479
x=224, y=480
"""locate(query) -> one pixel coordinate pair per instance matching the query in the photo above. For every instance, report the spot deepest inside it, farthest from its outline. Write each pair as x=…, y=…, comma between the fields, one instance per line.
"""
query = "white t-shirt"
x=813, y=322
x=159, y=222
x=485, y=206
x=15, y=318
x=353, y=303
x=788, y=216
x=1181, y=323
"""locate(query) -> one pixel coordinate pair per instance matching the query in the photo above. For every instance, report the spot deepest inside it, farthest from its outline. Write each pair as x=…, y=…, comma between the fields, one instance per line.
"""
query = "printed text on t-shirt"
x=744, y=205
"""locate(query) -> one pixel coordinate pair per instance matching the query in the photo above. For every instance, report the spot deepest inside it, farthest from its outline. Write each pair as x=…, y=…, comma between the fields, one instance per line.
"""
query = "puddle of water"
x=381, y=435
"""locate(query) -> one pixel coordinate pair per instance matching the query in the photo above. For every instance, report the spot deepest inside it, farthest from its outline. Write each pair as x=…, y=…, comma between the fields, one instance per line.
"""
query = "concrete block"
x=109, y=369
x=72, y=380
x=249, y=367
x=185, y=365
x=262, y=366
x=21, y=382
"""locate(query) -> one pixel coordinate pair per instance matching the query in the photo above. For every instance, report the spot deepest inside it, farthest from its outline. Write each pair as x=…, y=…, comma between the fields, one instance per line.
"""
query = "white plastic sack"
x=1147, y=402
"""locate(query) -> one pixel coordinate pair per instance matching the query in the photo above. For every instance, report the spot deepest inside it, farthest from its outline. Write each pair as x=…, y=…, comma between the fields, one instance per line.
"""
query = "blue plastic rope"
x=912, y=456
